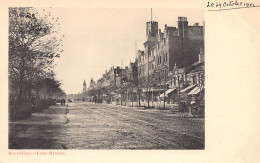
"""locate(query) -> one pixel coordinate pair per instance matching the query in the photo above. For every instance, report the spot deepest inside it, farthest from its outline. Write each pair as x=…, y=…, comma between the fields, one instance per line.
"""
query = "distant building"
x=92, y=84
x=84, y=86
x=133, y=73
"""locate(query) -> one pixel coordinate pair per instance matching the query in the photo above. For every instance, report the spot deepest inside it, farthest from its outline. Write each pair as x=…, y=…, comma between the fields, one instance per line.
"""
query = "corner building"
x=173, y=46
x=179, y=46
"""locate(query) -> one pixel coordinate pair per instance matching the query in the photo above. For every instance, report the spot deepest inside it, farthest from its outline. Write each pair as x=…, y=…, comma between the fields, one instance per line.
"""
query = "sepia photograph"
x=129, y=81
x=83, y=78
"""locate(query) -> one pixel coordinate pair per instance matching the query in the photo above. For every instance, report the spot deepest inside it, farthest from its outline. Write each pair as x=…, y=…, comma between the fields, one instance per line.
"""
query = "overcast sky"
x=97, y=39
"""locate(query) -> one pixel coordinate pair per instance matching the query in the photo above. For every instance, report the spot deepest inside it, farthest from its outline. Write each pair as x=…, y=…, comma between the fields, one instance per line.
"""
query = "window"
x=165, y=74
x=166, y=56
x=194, y=79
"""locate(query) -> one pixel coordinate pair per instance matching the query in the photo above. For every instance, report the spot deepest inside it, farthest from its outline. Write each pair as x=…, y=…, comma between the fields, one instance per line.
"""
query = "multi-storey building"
x=179, y=46
x=186, y=79
x=146, y=58
x=172, y=53
x=133, y=73
x=163, y=50
x=170, y=49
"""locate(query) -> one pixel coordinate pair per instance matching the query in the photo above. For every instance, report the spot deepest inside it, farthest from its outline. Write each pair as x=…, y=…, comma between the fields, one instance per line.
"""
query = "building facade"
x=172, y=60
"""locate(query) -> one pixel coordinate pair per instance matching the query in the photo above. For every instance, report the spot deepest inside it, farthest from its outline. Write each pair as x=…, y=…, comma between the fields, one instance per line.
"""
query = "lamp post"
x=164, y=89
x=148, y=80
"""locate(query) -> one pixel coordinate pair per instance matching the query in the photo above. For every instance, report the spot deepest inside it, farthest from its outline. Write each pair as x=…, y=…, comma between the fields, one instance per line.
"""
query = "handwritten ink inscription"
x=229, y=5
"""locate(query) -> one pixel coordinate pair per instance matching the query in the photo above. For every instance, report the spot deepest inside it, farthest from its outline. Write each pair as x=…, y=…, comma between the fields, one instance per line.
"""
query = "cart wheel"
x=195, y=110
x=186, y=113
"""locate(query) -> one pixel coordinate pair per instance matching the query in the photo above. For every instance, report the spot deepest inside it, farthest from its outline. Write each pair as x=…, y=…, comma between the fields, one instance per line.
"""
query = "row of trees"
x=130, y=87
x=34, y=43
x=159, y=80
x=133, y=90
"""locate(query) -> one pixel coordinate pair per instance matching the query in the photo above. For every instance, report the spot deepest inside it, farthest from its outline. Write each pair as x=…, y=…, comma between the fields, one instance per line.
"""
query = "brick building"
x=179, y=46
x=168, y=50
x=174, y=46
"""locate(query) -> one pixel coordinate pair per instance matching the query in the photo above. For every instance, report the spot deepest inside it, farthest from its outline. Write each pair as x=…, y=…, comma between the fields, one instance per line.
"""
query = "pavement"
x=84, y=125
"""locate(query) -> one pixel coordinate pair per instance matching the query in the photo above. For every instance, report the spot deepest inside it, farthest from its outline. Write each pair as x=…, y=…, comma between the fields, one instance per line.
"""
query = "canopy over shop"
x=196, y=91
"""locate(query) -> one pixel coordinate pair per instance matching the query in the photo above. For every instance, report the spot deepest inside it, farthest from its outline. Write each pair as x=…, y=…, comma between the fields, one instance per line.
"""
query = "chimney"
x=183, y=27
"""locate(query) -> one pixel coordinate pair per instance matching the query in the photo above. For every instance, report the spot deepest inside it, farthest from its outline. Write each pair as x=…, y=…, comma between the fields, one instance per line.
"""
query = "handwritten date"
x=229, y=4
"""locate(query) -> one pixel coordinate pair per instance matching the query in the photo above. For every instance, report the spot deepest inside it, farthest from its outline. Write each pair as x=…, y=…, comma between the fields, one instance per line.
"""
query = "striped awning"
x=195, y=91
x=167, y=92
x=157, y=90
x=187, y=88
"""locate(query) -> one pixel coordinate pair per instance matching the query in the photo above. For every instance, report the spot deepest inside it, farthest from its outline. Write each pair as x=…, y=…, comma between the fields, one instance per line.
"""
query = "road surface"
x=84, y=125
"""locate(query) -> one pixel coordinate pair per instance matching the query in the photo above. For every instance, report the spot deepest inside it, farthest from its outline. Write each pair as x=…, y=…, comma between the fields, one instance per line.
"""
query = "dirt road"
x=102, y=126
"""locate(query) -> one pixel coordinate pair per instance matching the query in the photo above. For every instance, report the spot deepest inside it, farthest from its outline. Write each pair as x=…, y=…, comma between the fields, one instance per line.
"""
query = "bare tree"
x=33, y=44
x=150, y=82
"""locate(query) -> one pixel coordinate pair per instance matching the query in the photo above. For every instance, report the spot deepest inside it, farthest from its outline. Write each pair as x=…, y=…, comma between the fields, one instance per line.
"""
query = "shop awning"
x=195, y=91
x=187, y=88
x=162, y=95
x=157, y=90
x=167, y=92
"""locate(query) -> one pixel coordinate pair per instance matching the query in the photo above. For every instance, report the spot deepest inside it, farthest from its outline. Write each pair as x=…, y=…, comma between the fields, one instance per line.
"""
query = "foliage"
x=34, y=43
x=154, y=80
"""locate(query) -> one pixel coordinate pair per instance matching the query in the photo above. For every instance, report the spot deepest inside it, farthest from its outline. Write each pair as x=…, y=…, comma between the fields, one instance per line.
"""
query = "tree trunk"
x=164, y=99
x=148, y=98
x=139, y=100
x=20, y=90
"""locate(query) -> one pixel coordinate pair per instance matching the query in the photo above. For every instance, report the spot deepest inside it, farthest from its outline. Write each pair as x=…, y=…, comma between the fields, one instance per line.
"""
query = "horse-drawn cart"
x=183, y=108
x=194, y=106
x=197, y=108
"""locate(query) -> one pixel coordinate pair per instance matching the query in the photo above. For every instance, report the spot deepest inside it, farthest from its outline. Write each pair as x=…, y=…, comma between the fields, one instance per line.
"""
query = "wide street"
x=84, y=125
